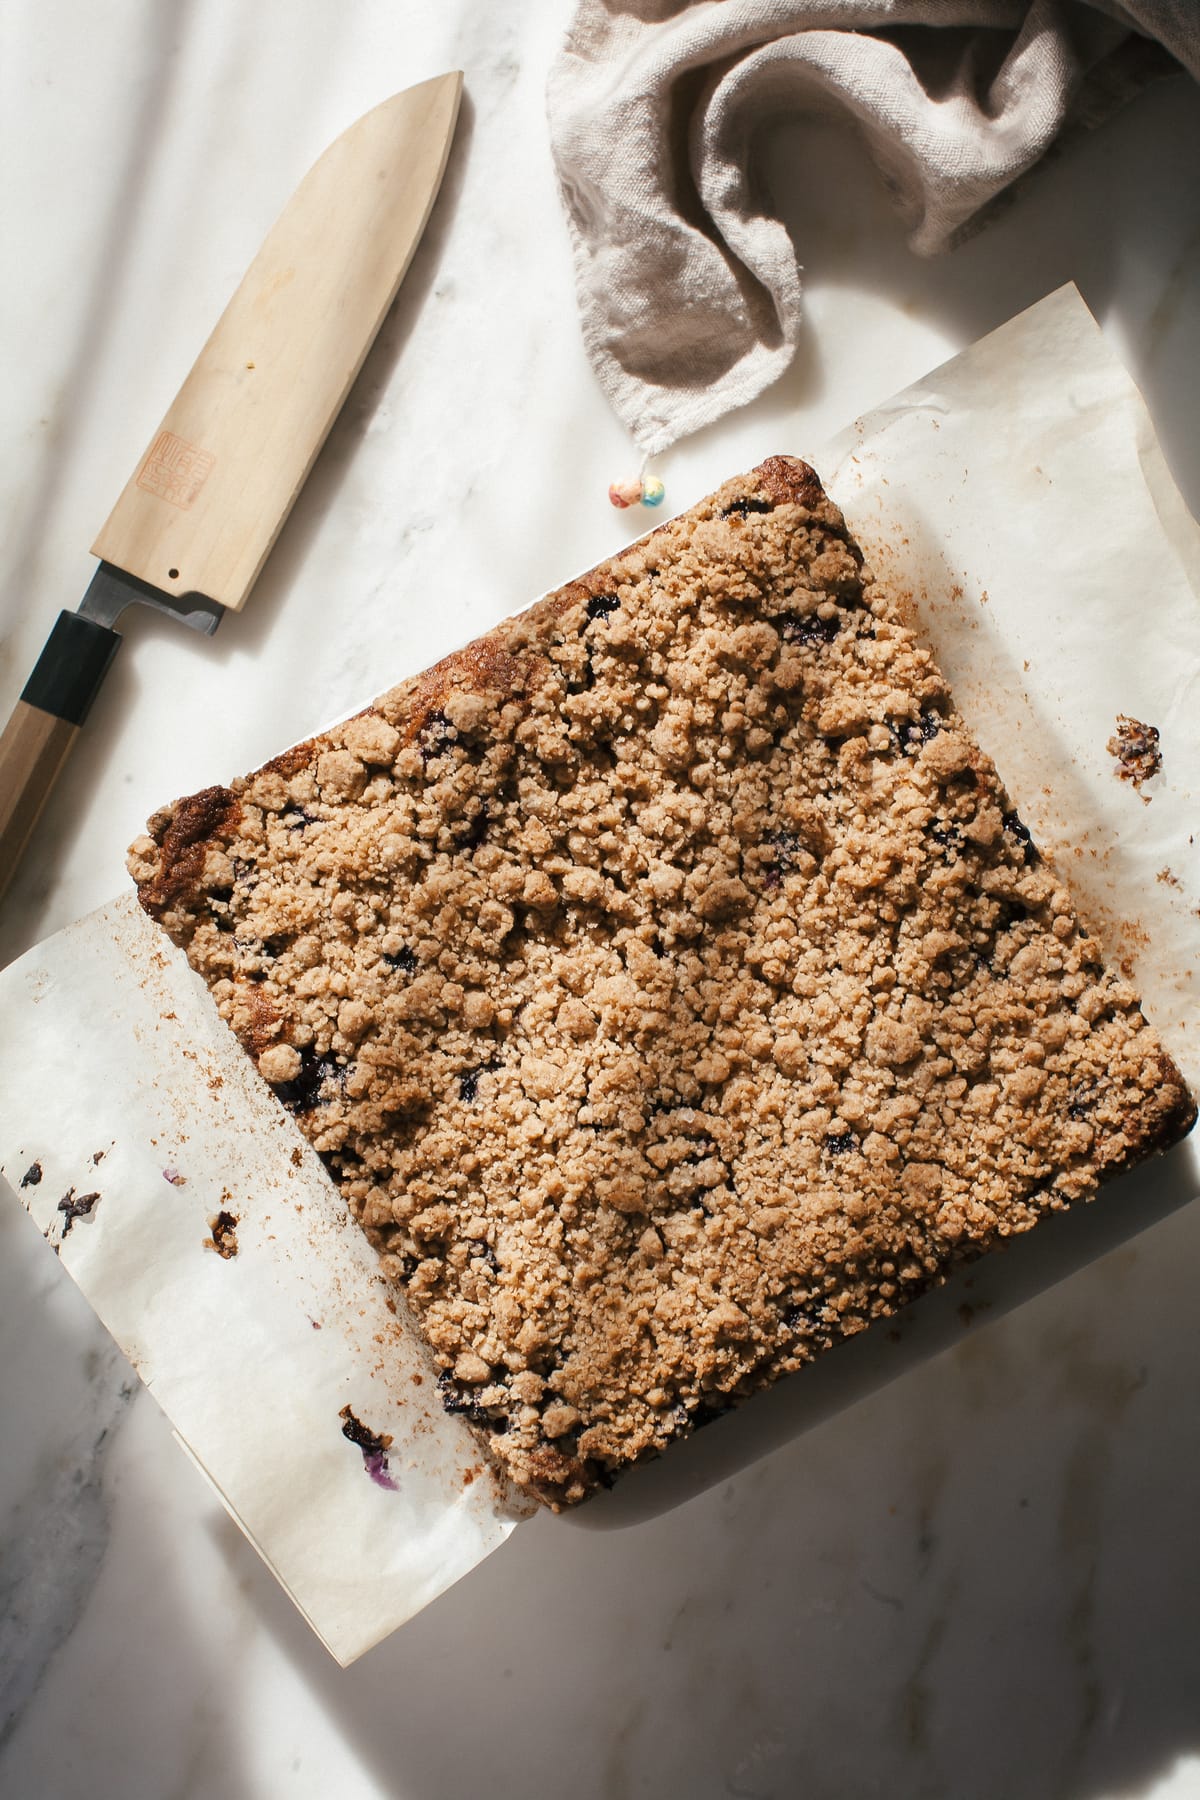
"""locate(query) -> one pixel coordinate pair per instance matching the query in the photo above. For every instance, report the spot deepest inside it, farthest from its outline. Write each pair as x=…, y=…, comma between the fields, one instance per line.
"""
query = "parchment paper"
x=1018, y=496
x=118, y=1079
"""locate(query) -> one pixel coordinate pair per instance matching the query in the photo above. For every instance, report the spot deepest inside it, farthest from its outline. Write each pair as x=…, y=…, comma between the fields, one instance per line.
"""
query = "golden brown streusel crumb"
x=667, y=983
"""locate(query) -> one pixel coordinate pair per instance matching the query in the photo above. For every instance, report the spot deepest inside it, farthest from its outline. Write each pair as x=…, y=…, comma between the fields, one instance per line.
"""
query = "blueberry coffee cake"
x=667, y=983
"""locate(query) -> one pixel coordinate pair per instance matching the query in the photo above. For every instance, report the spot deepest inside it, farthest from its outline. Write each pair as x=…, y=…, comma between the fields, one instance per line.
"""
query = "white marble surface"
x=982, y=1581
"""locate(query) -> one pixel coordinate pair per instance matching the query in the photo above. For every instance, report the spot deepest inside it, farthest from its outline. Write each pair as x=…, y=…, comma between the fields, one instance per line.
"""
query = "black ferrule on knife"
x=68, y=673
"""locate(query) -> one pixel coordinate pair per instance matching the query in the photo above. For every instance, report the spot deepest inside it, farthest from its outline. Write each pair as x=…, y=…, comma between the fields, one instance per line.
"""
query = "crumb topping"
x=666, y=981
x=1136, y=749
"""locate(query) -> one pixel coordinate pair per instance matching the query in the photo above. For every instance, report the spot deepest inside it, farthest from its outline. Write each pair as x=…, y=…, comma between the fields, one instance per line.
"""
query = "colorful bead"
x=625, y=493
x=652, y=491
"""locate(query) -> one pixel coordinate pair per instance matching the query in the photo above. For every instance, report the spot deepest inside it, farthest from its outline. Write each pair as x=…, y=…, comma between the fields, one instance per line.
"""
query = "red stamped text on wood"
x=175, y=470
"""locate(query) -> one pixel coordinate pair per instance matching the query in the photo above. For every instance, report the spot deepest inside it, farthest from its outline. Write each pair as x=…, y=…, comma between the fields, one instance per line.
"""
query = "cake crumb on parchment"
x=1136, y=749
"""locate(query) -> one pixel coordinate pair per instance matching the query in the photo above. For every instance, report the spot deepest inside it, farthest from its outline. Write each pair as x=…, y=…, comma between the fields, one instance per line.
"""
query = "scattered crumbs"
x=73, y=1206
x=224, y=1235
x=374, y=1447
x=175, y=1178
x=297, y=1157
x=1135, y=747
x=315, y=1323
x=97, y=1157
x=956, y=592
x=417, y=1380
x=984, y=597
x=32, y=1175
x=1169, y=878
x=1134, y=932
x=1025, y=665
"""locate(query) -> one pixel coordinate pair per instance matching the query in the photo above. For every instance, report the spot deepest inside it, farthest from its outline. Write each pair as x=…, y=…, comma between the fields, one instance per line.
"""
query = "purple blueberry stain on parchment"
x=374, y=1447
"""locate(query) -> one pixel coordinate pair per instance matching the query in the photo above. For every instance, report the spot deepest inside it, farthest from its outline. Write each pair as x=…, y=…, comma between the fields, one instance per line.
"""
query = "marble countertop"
x=983, y=1580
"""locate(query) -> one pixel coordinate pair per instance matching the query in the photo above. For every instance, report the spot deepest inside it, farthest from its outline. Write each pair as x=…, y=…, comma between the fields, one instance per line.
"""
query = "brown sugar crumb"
x=667, y=982
x=224, y=1235
x=1135, y=747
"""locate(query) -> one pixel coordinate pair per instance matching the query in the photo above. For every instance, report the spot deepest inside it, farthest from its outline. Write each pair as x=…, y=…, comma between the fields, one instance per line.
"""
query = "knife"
x=198, y=516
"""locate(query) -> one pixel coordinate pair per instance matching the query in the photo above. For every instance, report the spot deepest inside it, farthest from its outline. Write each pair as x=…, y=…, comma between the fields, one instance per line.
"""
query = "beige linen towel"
x=689, y=291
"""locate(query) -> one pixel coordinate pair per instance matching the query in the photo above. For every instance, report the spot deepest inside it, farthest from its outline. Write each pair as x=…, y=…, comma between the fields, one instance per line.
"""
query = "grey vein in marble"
x=54, y=1547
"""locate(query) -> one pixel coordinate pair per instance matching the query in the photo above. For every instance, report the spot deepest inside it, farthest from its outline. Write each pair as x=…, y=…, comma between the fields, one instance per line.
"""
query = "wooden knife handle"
x=44, y=725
